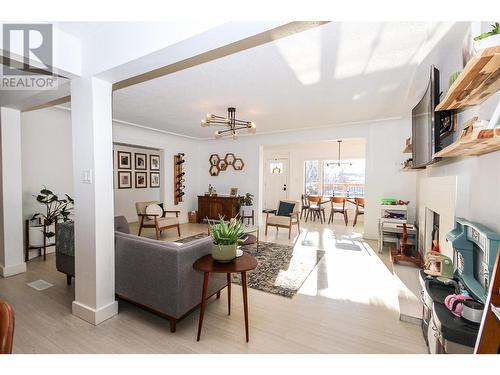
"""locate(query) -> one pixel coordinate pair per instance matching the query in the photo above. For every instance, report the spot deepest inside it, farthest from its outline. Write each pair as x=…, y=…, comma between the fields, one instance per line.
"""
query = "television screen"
x=425, y=139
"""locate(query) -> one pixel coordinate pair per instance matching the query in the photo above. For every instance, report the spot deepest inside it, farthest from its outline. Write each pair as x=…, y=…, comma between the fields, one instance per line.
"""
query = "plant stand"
x=28, y=247
x=245, y=214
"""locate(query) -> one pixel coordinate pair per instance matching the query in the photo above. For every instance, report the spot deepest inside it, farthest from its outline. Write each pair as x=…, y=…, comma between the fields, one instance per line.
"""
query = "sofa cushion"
x=121, y=224
x=285, y=208
x=278, y=220
x=163, y=222
x=153, y=210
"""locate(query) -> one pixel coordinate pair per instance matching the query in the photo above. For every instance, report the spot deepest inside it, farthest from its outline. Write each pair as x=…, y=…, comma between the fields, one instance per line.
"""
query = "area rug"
x=280, y=270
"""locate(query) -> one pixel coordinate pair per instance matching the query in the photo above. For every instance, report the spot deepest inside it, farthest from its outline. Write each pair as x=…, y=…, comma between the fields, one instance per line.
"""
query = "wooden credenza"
x=214, y=206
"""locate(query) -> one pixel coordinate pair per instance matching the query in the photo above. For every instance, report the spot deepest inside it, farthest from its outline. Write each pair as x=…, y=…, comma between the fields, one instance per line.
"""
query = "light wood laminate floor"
x=347, y=305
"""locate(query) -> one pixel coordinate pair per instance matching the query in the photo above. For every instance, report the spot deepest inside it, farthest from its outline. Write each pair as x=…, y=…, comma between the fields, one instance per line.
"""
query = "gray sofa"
x=155, y=275
x=159, y=275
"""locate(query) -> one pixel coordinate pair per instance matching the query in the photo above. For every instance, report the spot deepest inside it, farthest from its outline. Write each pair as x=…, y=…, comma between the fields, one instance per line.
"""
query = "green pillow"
x=285, y=209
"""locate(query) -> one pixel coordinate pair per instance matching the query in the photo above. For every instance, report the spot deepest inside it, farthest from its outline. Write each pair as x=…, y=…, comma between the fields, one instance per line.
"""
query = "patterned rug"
x=280, y=270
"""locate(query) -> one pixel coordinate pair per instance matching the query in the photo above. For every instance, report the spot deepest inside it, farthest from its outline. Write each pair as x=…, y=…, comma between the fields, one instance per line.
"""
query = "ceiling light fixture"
x=339, y=162
x=230, y=121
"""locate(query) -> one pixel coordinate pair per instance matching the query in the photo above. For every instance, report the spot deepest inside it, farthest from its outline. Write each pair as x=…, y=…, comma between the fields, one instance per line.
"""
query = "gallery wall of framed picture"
x=136, y=168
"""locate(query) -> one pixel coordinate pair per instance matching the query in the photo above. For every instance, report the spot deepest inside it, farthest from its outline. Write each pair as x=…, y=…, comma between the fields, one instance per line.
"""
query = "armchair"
x=156, y=220
x=285, y=216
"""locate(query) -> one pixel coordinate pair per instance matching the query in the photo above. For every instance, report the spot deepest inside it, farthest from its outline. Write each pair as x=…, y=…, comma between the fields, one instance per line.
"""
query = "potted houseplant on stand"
x=246, y=207
x=225, y=235
x=43, y=224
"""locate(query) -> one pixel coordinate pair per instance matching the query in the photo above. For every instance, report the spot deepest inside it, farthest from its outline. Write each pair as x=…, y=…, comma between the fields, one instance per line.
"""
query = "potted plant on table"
x=225, y=235
x=43, y=224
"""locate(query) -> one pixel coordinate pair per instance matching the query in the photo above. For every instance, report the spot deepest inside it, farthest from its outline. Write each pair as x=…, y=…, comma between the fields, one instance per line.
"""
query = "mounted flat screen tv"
x=425, y=139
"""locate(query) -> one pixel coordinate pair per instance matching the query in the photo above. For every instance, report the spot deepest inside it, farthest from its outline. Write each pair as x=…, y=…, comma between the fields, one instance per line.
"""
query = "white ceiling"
x=333, y=74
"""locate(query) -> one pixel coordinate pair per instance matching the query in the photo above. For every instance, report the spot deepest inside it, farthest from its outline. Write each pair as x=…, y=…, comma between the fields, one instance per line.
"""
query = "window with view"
x=327, y=177
x=312, y=177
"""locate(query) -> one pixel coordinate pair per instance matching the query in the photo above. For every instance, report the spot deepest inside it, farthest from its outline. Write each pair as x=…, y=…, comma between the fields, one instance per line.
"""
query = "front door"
x=275, y=182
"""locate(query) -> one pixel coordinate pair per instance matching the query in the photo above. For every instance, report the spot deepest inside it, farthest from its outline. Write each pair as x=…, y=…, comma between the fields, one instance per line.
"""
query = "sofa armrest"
x=192, y=280
x=146, y=272
x=160, y=274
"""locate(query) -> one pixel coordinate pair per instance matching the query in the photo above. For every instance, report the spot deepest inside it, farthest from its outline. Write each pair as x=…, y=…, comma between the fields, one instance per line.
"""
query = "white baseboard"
x=94, y=316
x=6, y=271
x=34, y=252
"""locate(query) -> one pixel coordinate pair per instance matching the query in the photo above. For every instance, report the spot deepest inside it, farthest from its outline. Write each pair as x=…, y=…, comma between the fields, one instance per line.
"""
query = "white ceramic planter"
x=247, y=210
x=491, y=41
x=224, y=253
x=36, y=235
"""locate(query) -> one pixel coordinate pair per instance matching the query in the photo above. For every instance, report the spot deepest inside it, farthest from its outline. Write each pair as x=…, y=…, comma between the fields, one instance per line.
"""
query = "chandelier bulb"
x=217, y=134
x=235, y=136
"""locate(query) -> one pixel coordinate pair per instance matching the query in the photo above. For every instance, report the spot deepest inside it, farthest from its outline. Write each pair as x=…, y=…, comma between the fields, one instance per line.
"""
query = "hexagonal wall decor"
x=214, y=159
x=222, y=165
x=214, y=170
x=238, y=164
x=229, y=158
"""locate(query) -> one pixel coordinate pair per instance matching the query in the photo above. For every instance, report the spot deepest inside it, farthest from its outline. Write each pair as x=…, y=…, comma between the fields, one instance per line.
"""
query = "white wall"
x=385, y=142
x=47, y=160
x=46, y=155
x=477, y=177
x=169, y=145
x=125, y=198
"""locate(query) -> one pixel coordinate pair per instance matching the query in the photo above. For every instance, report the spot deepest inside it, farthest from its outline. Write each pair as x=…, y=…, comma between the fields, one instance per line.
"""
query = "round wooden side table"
x=208, y=265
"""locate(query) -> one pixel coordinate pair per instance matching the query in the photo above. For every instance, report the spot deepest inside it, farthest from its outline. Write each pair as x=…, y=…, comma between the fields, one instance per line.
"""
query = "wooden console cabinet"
x=214, y=206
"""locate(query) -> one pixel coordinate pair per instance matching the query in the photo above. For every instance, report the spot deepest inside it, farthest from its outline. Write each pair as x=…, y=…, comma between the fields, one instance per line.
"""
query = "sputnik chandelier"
x=232, y=124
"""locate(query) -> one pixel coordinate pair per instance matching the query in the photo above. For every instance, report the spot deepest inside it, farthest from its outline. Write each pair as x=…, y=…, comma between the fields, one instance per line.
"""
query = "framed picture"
x=154, y=179
x=154, y=162
x=124, y=160
x=233, y=192
x=124, y=180
x=141, y=180
x=141, y=161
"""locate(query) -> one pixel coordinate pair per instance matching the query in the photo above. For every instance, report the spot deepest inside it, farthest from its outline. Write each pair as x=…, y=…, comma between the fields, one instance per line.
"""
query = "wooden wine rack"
x=178, y=178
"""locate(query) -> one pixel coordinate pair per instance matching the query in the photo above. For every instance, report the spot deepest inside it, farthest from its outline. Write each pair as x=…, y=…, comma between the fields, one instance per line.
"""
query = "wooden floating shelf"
x=472, y=142
x=479, y=80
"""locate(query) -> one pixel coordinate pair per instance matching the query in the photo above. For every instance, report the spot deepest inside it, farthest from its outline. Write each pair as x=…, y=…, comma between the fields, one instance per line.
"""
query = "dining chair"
x=315, y=208
x=305, y=204
x=360, y=209
x=6, y=328
x=338, y=207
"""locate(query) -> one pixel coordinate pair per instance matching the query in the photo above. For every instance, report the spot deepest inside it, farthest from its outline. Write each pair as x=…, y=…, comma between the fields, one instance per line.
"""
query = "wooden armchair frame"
x=159, y=229
x=295, y=214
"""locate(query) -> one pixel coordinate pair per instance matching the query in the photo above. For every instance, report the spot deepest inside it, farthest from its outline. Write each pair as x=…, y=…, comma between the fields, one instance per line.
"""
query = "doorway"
x=275, y=181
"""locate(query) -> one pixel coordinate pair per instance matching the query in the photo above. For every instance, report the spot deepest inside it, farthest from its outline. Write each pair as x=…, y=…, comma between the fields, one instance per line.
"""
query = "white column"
x=91, y=118
x=11, y=187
